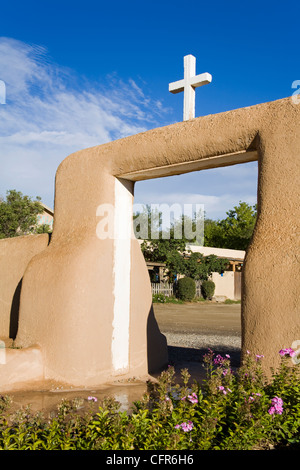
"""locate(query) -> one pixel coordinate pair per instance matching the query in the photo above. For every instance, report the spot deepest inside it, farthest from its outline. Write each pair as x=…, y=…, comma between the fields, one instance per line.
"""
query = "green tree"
x=160, y=245
x=167, y=248
x=18, y=214
x=43, y=228
x=213, y=234
x=169, y=251
x=198, y=266
x=235, y=231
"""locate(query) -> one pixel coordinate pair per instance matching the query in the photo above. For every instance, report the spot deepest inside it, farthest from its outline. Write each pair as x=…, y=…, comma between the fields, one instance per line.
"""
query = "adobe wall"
x=70, y=305
x=224, y=285
x=15, y=254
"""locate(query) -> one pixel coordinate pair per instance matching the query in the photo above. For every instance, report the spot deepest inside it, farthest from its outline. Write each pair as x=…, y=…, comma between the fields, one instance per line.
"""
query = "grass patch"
x=164, y=299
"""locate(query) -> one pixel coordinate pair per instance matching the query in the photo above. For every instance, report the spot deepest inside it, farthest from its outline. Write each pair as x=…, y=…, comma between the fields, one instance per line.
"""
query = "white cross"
x=188, y=85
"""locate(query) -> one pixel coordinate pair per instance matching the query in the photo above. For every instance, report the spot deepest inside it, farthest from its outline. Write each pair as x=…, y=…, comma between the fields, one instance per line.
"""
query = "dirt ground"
x=189, y=328
x=200, y=318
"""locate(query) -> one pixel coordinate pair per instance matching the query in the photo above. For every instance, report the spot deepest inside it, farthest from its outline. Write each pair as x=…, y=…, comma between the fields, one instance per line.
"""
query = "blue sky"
x=82, y=74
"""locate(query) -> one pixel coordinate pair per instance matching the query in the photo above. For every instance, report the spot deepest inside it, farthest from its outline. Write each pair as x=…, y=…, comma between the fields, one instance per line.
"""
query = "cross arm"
x=202, y=79
x=176, y=87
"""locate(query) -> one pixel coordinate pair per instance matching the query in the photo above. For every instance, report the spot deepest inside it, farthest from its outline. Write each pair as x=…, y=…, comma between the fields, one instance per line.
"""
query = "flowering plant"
x=230, y=409
x=277, y=406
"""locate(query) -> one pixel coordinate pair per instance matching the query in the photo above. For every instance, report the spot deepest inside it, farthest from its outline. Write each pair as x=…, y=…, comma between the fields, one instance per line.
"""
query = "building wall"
x=46, y=218
x=224, y=284
x=15, y=254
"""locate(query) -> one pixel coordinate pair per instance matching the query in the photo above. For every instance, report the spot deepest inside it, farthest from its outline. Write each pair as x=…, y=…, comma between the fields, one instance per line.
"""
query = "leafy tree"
x=169, y=249
x=18, y=214
x=160, y=245
x=235, y=231
x=43, y=228
x=213, y=234
x=148, y=225
x=239, y=226
x=198, y=266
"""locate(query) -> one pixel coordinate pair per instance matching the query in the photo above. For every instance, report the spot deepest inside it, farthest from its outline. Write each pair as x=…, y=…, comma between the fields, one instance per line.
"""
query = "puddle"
x=47, y=396
x=47, y=401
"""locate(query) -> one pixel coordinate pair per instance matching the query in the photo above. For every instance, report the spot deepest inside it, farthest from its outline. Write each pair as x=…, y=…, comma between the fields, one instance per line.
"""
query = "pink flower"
x=287, y=352
x=92, y=399
x=277, y=406
x=218, y=359
x=252, y=398
x=277, y=402
x=186, y=427
x=222, y=389
x=259, y=356
x=193, y=398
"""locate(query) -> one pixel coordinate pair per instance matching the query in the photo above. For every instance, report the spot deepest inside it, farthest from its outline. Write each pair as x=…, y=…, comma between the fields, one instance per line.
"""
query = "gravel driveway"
x=192, y=328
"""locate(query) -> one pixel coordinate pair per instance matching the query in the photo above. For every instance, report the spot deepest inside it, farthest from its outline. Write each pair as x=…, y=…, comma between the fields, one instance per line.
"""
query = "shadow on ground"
x=192, y=360
x=182, y=354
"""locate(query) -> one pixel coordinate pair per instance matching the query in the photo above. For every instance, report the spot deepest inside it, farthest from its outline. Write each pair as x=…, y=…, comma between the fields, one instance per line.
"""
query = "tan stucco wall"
x=224, y=285
x=15, y=254
x=68, y=299
x=21, y=369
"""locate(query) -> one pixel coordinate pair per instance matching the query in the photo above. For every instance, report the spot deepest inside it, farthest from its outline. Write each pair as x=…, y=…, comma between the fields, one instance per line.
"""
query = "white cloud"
x=215, y=207
x=219, y=189
x=49, y=114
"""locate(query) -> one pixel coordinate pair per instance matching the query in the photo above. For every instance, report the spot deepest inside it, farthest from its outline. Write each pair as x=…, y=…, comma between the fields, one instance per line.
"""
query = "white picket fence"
x=168, y=289
x=162, y=288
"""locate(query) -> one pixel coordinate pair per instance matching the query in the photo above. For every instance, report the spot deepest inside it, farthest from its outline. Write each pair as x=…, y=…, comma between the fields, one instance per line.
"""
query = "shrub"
x=208, y=289
x=229, y=411
x=164, y=299
x=186, y=288
x=231, y=301
x=159, y=298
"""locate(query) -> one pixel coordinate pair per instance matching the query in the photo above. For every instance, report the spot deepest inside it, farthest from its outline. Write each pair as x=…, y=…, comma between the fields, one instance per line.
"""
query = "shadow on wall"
x=15, y=307
x=157, y=349
x=14, y=312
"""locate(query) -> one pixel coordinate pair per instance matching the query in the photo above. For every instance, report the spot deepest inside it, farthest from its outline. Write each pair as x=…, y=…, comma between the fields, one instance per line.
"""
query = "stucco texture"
x=15, y=254
x=67, y=298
